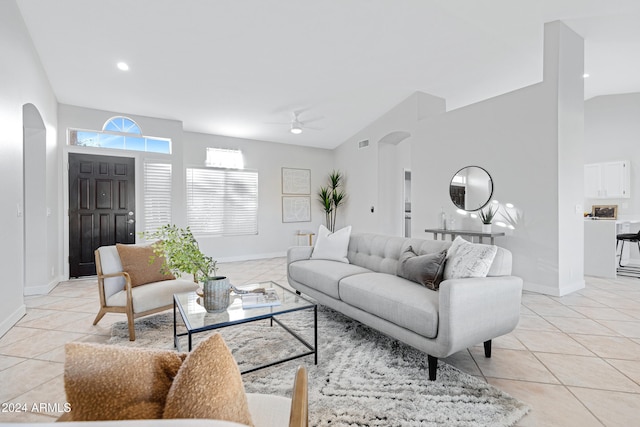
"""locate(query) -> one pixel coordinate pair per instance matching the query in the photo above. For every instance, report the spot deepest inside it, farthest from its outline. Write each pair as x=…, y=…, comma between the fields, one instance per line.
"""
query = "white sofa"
x=461, y=314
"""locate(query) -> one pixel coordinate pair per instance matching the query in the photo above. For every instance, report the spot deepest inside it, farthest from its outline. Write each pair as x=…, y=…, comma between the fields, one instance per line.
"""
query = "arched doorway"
x=35, y=199
x=394, y=160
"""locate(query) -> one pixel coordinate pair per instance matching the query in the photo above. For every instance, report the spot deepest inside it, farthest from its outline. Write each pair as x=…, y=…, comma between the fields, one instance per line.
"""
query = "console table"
x=471, y=233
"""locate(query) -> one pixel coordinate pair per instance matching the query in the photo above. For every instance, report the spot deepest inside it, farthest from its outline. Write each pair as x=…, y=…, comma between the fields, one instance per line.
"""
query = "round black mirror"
x=471, y=188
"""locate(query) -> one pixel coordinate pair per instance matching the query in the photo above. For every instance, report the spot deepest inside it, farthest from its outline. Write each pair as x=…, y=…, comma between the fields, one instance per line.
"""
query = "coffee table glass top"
x=196, y=317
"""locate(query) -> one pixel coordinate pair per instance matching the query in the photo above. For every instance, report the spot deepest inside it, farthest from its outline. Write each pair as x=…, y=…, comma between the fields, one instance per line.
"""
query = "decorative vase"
x=486, y=228
x=216, y=294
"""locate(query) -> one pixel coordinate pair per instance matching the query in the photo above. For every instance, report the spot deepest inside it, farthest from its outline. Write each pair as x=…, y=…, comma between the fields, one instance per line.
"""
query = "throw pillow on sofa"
x=465, y=259
x=332, y=246
x=425, y=269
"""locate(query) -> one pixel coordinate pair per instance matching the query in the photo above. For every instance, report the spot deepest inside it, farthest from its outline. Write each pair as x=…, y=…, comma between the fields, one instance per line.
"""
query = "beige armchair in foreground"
x=132, y=285
x=265, y=410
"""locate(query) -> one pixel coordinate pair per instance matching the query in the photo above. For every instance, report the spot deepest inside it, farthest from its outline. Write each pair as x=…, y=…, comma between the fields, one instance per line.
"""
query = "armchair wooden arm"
x=107, y=276
x=299, y=416
x=118, y=282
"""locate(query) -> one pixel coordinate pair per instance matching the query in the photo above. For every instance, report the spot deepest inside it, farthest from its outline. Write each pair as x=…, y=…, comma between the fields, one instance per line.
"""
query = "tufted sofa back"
x=381, y=253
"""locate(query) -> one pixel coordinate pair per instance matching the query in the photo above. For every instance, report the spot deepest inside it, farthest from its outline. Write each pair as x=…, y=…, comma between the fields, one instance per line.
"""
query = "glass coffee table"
x=196, y=319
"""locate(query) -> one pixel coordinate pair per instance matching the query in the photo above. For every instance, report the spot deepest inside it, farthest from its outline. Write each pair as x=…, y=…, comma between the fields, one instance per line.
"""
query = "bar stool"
x=627, y=237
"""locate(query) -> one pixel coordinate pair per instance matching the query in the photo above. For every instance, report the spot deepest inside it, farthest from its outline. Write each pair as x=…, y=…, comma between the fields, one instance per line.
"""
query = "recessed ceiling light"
x=585, y=75
x=123, y=66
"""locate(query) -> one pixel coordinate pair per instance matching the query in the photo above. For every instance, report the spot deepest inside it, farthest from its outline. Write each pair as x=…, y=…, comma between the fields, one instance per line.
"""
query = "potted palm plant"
x=332, y=197
x=486, y=216
x=182, y=255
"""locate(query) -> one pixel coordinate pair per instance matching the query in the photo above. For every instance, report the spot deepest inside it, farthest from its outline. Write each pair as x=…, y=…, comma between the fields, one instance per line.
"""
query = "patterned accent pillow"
x=465, y=259
x=424, y=269
x=136, y=262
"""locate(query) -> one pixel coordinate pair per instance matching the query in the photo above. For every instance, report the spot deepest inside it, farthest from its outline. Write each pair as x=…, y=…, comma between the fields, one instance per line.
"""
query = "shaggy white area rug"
x=363, y=378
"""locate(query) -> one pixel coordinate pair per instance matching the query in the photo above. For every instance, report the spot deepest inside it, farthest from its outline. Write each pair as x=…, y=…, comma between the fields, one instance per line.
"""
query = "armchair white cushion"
x=118, y=296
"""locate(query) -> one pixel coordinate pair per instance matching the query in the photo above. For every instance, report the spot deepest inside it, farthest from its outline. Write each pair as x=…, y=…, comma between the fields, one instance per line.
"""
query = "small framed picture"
x=296, y=208
x=605, y=211
x=296, y=181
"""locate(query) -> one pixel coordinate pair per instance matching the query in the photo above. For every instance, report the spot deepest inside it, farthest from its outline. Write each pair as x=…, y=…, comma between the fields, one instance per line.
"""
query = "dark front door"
x=101, y=207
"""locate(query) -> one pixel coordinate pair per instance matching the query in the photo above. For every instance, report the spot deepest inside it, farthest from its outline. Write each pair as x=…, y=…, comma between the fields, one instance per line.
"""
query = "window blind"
x=222, y=202
x=157, y=195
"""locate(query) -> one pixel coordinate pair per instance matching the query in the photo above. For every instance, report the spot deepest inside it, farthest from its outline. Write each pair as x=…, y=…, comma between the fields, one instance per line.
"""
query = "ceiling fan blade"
x=299, y=111
x=315, y=119
x=311, y=128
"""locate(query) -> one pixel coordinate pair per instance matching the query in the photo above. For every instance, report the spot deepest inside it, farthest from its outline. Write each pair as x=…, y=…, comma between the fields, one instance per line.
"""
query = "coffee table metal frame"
x=236, y=315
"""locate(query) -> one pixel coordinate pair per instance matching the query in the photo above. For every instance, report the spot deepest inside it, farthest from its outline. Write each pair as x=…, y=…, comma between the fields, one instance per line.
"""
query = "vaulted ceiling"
x=242, y=67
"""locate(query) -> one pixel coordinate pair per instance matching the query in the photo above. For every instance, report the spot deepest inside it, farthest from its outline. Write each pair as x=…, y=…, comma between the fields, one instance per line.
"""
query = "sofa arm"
x=475, y=310
x=298, y=253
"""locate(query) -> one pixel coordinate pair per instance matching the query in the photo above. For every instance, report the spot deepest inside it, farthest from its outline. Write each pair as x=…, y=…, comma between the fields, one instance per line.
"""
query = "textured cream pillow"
x=332, y=246
x=135, y=261
x=465, y=259
x=209, y=385
x=117, y=383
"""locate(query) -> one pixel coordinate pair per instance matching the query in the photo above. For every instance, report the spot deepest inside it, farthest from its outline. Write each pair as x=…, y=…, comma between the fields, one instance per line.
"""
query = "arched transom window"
x=120, y=133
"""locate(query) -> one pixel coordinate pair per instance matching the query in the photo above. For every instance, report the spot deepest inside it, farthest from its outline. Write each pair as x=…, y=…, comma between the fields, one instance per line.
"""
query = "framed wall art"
x=296, y=208
x=296, y=181
x=605, y=211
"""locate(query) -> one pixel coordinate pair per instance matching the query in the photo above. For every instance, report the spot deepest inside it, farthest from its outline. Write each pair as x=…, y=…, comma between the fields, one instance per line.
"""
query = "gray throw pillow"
x=424, y=269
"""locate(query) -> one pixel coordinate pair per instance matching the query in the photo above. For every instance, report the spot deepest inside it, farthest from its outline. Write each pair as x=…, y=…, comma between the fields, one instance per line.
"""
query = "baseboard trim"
x=571, y=287
x=42, y=289
x=553, y=291
x=13, y=318
x=252, y=257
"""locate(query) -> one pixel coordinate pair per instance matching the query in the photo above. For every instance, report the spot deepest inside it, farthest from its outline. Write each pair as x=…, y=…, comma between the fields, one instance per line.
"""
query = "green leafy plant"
x=181, y=252
x=486, y=215
x=332, y=197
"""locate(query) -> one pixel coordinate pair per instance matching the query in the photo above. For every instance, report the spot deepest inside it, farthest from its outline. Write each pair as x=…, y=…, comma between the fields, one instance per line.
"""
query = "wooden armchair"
x=268, y=410
x=118, y=295
x=299, y=416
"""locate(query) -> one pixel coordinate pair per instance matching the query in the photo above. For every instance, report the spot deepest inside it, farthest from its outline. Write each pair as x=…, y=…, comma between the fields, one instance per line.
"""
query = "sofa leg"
x=487, y=348
x=433, y=367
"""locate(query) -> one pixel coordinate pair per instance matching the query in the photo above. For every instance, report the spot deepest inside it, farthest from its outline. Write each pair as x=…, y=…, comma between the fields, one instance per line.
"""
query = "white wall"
x=36, y=276
x=268, y=158
x=24, y=81
x=73, y=117
x=189, y=149
x=612, y=132
x=528, y=140
x=563, y=71
x=374, y=175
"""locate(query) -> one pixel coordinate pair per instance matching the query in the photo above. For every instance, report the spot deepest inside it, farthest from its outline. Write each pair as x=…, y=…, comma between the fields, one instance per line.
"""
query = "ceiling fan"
x=297, y=125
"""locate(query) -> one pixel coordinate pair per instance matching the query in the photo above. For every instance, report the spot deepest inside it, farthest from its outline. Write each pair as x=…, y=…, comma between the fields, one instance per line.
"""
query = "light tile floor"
x=575, y=360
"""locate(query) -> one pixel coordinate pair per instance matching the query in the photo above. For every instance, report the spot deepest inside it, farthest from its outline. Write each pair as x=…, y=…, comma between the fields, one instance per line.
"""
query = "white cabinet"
x=609, y=180
x=592, y=181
